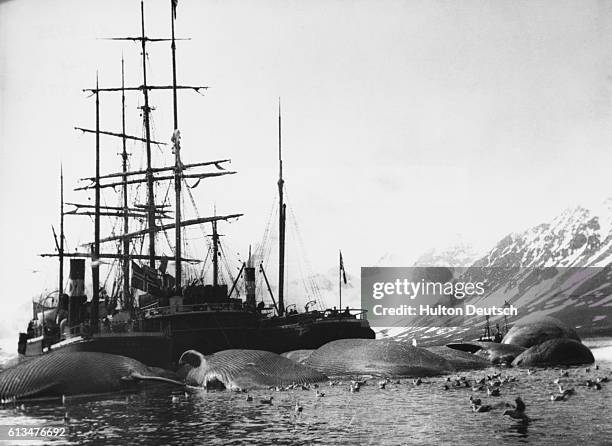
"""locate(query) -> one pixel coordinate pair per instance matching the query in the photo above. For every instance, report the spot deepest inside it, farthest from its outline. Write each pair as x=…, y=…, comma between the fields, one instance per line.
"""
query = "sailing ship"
x=170, y=315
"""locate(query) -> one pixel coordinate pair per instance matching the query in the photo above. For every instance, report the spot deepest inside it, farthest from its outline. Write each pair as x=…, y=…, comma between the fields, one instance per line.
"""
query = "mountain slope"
x=562, y=268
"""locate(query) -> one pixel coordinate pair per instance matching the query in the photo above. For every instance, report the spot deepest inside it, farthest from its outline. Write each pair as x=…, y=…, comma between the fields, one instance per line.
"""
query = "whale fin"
x=139, y=377
x=470, y=347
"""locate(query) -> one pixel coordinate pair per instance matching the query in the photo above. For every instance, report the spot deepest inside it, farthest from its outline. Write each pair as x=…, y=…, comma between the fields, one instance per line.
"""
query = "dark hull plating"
x=169, y=336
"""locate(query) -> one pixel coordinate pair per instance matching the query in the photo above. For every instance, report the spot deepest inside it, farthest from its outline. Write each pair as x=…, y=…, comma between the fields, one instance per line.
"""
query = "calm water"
x=400, y=414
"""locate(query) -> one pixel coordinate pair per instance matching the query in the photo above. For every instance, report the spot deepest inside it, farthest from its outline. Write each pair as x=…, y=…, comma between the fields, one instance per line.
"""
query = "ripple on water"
x=399, y=414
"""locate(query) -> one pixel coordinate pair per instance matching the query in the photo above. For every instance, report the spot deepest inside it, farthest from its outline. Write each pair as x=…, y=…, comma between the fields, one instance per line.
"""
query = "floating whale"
x=299, y=356
x=500, y=353
x=460, y=360
x=535, y=329
x=555, y=352
x=245, y=369
x=491, y=351
x=59, y=374
x=377, y=357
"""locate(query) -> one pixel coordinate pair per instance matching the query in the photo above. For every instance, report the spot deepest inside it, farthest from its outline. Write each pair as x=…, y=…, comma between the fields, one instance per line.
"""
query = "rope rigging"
x=308, y=278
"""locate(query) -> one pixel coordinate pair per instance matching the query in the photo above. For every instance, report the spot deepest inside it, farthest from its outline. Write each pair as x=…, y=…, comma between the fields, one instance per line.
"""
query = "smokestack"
x=76, y=290
x=249, y=281
x=76, y=287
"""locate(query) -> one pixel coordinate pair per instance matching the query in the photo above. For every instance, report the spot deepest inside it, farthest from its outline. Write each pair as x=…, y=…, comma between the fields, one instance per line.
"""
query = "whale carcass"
x=377, y=357
x=535, y=329
x=240, y=369
x=60, y=374
x=555, y=352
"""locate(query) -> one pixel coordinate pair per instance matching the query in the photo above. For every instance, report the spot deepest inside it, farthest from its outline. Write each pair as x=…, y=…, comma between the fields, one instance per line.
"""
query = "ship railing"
x=203, y=307
x=347, y=313
x=84, y=329
x=118, y=327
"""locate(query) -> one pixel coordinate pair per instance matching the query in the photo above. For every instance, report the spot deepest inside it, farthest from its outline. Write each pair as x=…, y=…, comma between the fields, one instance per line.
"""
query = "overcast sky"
x=406, y=124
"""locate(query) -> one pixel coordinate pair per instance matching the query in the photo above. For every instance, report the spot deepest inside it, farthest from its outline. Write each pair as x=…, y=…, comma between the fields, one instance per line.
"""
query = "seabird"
x=475, y=401
x=266, y=400
x=492, y=392
x=565, y=392
x=519, y=412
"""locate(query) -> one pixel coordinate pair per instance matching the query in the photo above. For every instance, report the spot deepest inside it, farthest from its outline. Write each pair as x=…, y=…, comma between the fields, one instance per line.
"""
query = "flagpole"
x=340, y=280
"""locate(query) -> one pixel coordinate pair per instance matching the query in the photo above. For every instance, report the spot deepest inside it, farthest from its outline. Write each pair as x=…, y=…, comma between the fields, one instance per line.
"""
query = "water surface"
x=400, y=414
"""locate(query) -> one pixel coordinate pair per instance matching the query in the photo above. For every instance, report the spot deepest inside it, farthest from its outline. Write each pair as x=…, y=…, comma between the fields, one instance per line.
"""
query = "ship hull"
x=215, y=332
x=152, y=349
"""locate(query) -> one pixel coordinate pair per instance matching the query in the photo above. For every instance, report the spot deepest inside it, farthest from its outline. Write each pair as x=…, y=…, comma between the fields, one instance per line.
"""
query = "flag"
x=174, y=4
x=145, y=278
x=342, y=270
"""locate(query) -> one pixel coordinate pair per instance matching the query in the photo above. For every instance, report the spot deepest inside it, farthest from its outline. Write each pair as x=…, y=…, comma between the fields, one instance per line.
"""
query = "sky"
x=406, y=124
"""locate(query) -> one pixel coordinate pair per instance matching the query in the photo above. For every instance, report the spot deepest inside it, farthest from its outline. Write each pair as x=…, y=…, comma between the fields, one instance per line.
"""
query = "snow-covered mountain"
x=457, y=255
x=577, y=237
x=562, y=268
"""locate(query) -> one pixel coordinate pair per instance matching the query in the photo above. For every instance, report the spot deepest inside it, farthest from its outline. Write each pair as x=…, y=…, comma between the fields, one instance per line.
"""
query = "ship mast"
x=127, y=301
x=61, y=241
x=149, y=210
x=177, y=160
x=281, y=223
x=215, y=259
x=149, y=175
x=95, y=257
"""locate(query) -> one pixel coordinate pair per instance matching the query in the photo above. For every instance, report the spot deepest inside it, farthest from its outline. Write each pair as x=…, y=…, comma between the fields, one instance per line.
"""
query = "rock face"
x=245, y=369
x=377, y=357
x=555, y=352
x=460, y=360
x=535, y=329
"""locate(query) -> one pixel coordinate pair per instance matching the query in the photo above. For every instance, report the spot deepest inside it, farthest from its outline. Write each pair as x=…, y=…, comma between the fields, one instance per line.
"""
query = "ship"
x=151, y=315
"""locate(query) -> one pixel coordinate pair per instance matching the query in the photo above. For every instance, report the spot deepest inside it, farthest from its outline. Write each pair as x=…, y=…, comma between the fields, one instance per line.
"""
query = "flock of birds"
x=491, y=384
